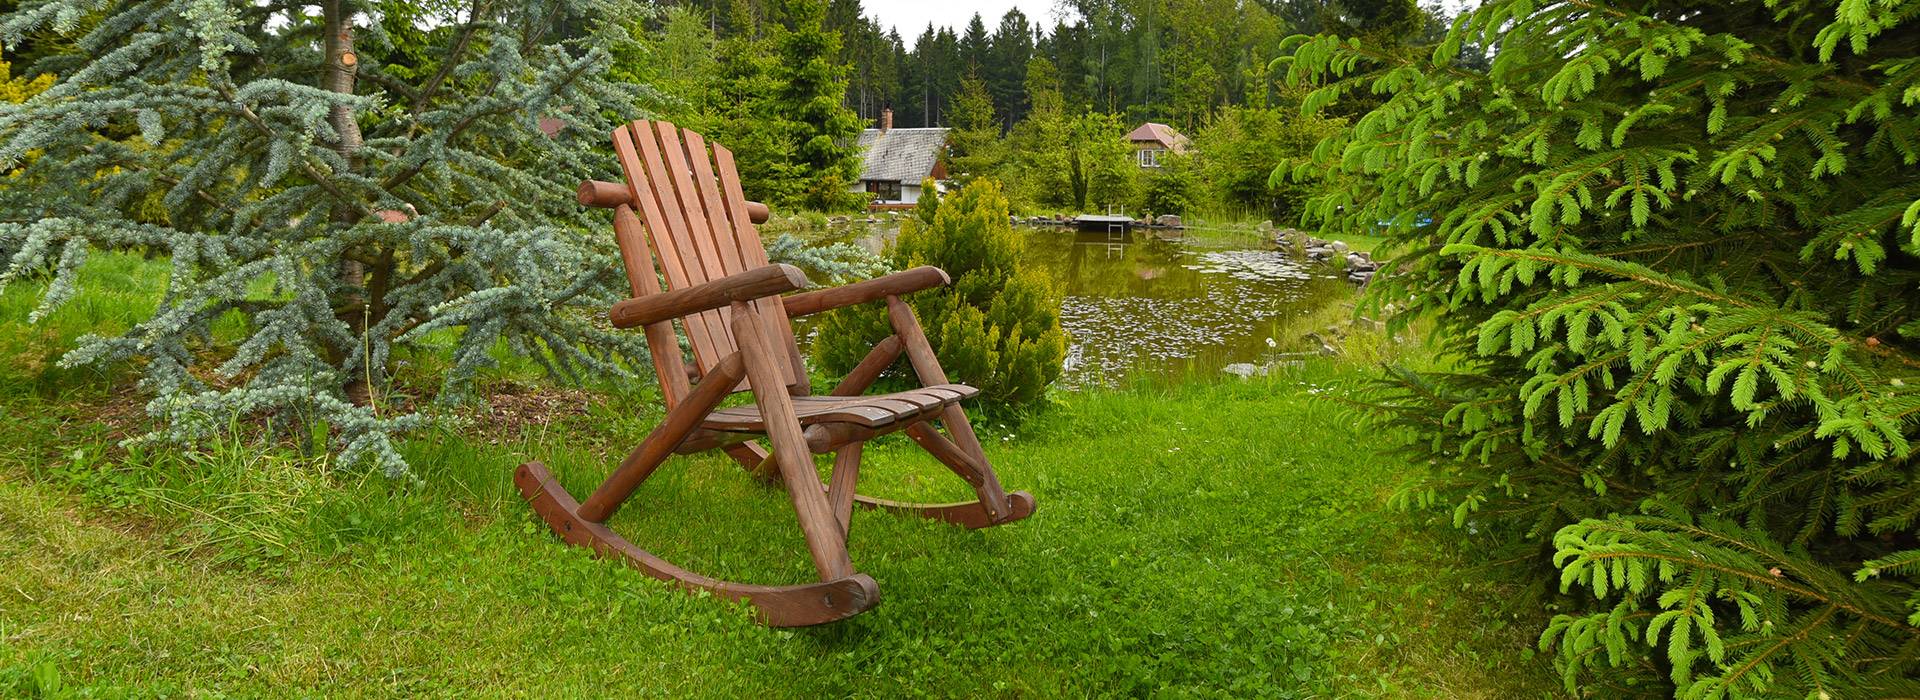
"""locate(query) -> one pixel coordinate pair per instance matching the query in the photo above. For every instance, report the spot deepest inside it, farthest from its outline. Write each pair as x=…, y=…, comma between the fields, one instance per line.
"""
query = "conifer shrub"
x=1169, y=190
x=16, y=89
x=1674, y=263
x=997, y=327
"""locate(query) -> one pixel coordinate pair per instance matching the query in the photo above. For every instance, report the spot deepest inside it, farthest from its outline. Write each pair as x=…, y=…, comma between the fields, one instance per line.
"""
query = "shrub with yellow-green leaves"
x=997, y=327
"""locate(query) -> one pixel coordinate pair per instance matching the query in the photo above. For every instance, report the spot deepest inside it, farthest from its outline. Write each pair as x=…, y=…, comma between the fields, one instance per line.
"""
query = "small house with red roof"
x=1153, y=140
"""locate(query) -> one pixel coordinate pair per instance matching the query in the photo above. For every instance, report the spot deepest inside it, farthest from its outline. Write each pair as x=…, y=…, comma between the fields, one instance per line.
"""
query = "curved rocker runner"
x=682, y=204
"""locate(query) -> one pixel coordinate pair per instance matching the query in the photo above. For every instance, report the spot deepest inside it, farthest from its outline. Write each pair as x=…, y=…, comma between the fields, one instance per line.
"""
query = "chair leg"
x=927, y=367
x=824, y=536
x=976, y=471
x=753, y=458
x=841, y=486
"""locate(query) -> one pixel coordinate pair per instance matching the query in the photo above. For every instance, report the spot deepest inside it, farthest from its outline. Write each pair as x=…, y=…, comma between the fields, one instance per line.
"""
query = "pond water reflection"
x=1136, y=305
x=1167, y=307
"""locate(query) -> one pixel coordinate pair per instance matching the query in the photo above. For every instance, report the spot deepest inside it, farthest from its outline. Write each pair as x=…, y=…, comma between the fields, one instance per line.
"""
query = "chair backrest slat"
x=720, y=229
x=631, y=235
x=692, y=233
x=754, y=254
x=688, y=194
x=652, y=213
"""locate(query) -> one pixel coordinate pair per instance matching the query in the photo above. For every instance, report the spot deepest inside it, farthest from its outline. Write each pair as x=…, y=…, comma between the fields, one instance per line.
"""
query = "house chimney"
x=886, y=119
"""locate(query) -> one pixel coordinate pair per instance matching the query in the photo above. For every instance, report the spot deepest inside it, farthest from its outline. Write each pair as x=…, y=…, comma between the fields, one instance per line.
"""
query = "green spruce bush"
x=997, y=327
x=1674, y=261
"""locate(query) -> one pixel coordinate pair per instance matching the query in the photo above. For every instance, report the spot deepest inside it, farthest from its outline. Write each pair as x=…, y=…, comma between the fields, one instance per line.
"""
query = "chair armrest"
x=772, y=280
x=896, y=284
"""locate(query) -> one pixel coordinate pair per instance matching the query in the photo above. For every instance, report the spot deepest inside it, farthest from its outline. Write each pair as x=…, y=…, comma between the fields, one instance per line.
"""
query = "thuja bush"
x=1170, y=189
x=997, y=327
x=1675, y=264
x=348, y=177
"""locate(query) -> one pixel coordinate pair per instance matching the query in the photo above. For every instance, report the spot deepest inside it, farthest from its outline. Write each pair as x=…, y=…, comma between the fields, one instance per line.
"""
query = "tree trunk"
x=342, y=71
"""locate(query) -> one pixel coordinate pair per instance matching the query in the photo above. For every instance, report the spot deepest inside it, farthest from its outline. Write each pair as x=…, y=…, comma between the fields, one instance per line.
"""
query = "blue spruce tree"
x=350, y=177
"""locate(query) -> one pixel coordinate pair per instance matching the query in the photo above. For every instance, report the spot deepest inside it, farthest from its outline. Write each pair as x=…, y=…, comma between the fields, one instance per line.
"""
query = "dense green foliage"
x=347, y=178
x=974, y=147
x=1674, y=253
x=811, y=83
x=997, y=327
x=771, y=91
x=1169, y=189
x=1239, y=150
x=1041, y=109
x=1176, y=61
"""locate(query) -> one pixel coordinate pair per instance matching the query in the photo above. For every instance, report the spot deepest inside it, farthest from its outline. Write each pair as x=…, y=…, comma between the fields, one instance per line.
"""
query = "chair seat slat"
x=874, y=411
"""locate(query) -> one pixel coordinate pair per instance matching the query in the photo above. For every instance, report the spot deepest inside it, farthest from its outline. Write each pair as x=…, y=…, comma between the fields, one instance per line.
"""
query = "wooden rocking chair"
x=683, y=197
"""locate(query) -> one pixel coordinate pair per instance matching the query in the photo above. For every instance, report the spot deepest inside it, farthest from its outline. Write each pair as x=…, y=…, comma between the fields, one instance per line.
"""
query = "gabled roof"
x=900, y=155
x=1155, y=132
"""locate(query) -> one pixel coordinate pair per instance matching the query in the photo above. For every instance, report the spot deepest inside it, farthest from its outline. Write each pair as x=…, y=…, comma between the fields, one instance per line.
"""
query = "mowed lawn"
x=1219, y=540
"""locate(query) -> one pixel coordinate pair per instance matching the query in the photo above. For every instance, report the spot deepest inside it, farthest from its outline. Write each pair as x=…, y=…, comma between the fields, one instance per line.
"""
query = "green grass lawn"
x=1218, y=539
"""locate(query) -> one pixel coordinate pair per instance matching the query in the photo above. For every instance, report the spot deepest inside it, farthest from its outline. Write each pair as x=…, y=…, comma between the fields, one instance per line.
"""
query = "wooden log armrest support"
x=772, y=280
x=610, y=195
x=896, y=284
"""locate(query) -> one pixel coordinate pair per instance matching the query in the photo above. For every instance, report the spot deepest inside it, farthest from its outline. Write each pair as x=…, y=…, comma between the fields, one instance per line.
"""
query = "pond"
x=1138, y=306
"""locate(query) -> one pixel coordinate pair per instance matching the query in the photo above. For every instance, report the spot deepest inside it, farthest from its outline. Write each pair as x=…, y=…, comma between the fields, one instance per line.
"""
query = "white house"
x=893, y=162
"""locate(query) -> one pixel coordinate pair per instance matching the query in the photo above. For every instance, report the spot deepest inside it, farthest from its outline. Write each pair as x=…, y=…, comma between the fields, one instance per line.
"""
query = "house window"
x=1149, y=157
x=884, y=190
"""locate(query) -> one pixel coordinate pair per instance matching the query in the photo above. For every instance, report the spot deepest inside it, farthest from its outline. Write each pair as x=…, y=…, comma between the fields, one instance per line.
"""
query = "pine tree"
x=975, y=46
x=1006, y=74
x=681, y=63
x=1674, y=262
x=349, y=192
x=809, y=99
x=975, y=138
x=743, y=113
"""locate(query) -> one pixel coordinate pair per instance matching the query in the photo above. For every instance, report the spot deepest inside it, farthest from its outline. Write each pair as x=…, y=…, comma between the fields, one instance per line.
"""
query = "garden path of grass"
x=1226, y=540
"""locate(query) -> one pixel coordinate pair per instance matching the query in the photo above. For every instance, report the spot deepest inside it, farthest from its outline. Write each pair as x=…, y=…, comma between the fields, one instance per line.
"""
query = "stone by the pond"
x=1246, y=370
x=1360, y=261
x=1339, y=247
x=1169, y=220
x=1263, y=226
